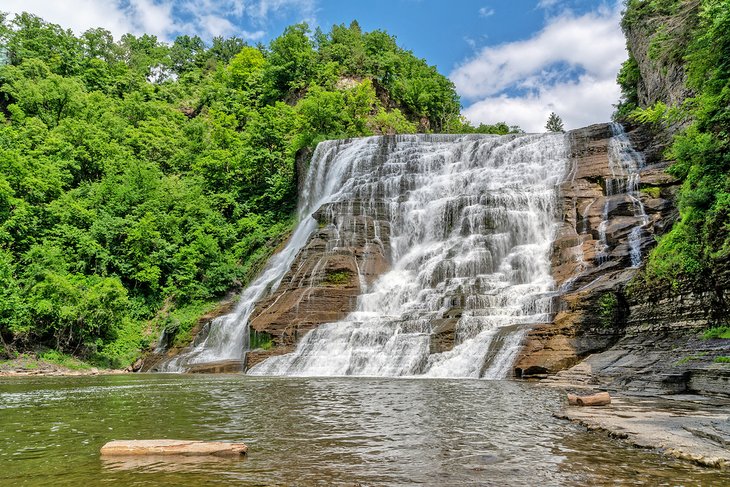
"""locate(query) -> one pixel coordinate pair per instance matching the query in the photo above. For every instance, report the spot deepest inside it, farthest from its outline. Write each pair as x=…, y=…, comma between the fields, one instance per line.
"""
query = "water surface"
x=313, y=431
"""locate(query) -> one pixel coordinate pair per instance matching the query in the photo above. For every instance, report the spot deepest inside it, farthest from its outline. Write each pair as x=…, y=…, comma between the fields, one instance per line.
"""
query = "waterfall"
x=227, y=338
x=625, y=163
x=471, y=221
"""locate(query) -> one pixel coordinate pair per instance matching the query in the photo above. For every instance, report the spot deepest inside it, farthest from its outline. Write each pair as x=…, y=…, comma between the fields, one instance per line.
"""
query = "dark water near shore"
x=314, y=432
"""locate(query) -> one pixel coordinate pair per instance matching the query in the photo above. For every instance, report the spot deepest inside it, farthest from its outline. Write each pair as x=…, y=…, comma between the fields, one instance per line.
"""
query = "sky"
x=510, y=60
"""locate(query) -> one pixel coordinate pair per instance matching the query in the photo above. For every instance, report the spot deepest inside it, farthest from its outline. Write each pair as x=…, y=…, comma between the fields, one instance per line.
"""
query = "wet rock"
x=136, y=366
x=325, y=280
x=592, y=310
x=693, y=428
x=443, y=335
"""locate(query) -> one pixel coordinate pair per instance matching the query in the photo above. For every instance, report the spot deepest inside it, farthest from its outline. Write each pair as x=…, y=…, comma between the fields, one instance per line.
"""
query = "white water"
x=229, y=335
x=625, y=163
x=471, y=223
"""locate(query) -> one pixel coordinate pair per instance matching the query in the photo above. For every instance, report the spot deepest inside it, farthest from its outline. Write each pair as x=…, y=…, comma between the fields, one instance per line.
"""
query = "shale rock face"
x=323, y=283
x=609, y=330
x=591, y=255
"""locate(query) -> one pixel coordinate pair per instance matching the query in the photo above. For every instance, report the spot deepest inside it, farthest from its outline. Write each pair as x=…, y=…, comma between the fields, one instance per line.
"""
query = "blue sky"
x=513, y=61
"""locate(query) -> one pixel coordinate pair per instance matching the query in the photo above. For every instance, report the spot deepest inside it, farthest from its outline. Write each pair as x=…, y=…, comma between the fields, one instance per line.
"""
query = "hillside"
x=142, y=181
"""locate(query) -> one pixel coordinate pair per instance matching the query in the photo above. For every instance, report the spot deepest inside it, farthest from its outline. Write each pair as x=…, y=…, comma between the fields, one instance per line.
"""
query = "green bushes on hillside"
x=699, y=243
x=137, y=177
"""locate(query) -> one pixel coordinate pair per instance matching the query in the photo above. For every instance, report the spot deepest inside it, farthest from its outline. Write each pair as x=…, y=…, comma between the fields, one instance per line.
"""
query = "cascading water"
x=471, y=221
x=625, y=163
x=228, y=336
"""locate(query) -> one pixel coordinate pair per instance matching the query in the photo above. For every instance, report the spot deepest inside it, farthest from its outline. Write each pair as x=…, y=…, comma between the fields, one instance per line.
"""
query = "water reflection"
x=313, y=432
x=169, y=463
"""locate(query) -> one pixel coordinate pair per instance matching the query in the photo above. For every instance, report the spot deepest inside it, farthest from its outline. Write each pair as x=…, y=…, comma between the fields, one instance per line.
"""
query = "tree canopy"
x=554, y=123
x=141, y=180
x=696, y=36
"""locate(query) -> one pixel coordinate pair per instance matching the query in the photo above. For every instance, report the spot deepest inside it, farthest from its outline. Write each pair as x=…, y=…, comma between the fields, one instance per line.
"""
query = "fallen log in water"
x=172, y=447
x=599, y=399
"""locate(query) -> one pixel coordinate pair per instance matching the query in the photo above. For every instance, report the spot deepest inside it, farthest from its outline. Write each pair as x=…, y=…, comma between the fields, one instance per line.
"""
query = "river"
x=314, y=431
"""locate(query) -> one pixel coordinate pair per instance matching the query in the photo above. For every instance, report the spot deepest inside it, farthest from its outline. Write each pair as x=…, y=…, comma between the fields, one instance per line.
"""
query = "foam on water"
x=471, y=222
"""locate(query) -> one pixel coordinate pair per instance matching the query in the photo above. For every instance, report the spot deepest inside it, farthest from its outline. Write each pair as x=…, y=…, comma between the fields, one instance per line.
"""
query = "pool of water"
x=314, y=431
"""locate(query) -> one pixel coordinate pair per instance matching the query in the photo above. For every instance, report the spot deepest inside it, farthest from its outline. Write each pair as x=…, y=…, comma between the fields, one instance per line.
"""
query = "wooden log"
x=599, y=399
x=172, y=447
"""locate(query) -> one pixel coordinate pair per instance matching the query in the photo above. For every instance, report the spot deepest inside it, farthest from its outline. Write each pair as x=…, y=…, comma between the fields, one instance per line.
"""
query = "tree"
x=554, y=123
x=139, y=181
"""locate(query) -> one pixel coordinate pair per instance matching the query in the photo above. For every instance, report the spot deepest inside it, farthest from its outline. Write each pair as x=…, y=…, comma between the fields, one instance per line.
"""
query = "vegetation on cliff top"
x=139, y=179
x=696, y=34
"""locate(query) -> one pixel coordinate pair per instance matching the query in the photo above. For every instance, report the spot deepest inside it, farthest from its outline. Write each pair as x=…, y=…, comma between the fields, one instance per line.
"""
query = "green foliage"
x=260, y=339
x=722, y=360
x=652, y=191
x=462, y=126
x=690, y=358
x=658, y=114
x=717, y=332
x=696, y=33
x=629, y=77
x=640, y=10
x=337, y=277
x=63, y=360
x=554, y=123
x=141, y=181
x=180, y=321
x=608, y=309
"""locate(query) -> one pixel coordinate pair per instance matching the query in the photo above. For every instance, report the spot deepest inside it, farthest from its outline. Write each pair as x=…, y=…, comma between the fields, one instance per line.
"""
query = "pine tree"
x=554, y=123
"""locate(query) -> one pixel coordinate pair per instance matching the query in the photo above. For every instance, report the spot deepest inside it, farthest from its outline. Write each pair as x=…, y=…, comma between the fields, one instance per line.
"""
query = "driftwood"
x=599, y=399
x=172, y=447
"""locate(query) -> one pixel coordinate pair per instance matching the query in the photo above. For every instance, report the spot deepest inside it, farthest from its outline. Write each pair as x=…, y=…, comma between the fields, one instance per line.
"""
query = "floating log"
x=172, y=447
x=599, y=399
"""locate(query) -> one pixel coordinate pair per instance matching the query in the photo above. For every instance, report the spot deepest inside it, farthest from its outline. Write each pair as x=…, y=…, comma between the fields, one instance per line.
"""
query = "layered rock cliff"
x=632, y=331
x=591, y=255
x=325, y=279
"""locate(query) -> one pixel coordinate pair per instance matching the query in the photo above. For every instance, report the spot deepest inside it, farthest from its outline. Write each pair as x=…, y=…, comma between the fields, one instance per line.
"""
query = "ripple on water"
x=311, y=431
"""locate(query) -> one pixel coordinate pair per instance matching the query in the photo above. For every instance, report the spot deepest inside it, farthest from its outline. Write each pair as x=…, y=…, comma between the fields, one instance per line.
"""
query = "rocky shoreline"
x=688, y=427
x=26, y=368
x=692, y=427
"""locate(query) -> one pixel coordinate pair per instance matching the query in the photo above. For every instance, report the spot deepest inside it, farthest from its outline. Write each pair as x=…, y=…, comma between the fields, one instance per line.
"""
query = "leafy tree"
x=291, y=60
x=554, y=123
x=141, y=181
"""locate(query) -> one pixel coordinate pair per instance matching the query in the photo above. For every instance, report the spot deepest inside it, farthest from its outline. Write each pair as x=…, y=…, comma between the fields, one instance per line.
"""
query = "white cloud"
x=522, y=82
x=486, y=12
x=152, y=17
x=578, y=103
x=547, y=3
x=78, y=16
x=165, y=18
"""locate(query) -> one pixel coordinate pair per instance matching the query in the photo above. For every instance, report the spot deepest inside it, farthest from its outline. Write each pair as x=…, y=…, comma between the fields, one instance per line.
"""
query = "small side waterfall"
x=625, y=163
x=471, y=222
x=228, y=336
